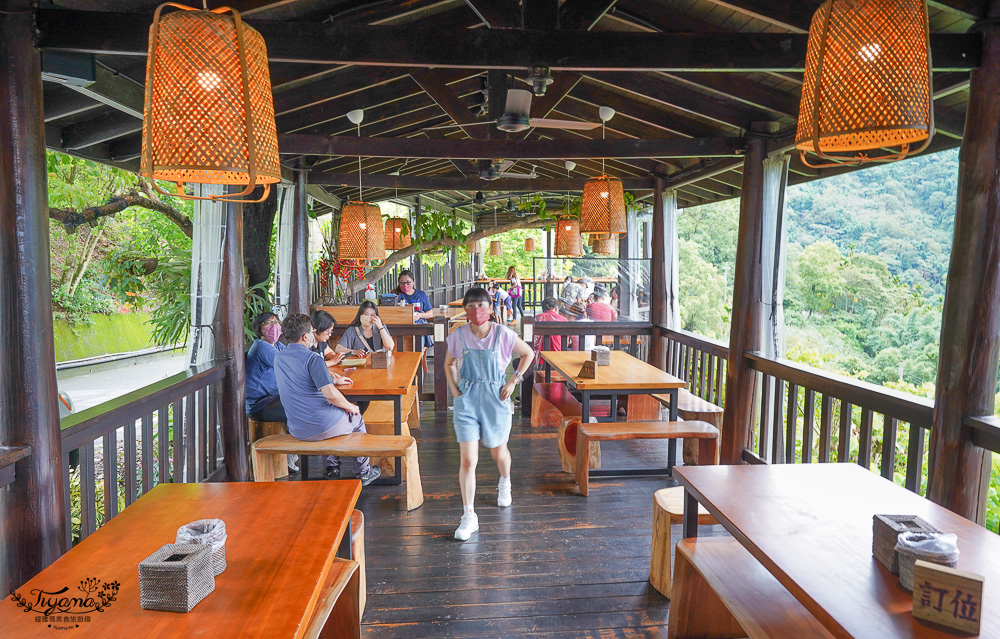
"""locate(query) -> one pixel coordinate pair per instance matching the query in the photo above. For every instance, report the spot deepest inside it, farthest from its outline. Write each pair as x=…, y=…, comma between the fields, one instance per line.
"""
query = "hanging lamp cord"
x=361, y=195
x=604, y=136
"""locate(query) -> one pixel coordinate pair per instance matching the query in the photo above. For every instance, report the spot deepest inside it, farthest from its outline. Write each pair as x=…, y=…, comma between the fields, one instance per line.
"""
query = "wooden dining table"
x=281, y=557
x=810, y=525
x=383, y=384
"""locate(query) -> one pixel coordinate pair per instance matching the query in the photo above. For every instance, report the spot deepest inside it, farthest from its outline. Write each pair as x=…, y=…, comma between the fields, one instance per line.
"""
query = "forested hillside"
x=867, y=261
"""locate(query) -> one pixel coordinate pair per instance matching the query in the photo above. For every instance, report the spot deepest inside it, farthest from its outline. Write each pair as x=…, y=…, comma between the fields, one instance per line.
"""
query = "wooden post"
x=416, y=257
x=527, y=384
x=658, y=278
x=229, y=340
x=298, y=301
x=625, y=283
x=745, y=332
x=440, y=348
x=970, y=324
x=32, y=509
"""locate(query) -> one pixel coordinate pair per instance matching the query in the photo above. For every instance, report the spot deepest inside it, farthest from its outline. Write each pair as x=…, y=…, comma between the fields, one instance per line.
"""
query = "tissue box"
x=886, y=529
x=381, y=359
x=601, y=355
x=176, y=577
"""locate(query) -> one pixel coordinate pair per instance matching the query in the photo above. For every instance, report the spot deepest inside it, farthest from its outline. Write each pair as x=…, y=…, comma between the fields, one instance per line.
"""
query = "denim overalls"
x=479, y=413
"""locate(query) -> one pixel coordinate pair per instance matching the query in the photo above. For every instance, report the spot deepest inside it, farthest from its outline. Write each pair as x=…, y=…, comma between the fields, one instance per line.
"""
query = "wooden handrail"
x=985, y=431
x=621, y=327
x=903, y=406
x=694, y=340
x=10, y=455
x=87, y=425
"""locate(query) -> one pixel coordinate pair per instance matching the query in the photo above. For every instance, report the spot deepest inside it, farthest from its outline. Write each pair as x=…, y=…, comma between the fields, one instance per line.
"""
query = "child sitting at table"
x=482, y=409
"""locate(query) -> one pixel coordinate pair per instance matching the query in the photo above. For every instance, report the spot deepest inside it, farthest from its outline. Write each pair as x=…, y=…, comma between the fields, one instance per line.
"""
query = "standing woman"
x=516, y=292
x=367, y=333
x=482, y=407
x=323, y=323
x=407, y=293
x=262, y=401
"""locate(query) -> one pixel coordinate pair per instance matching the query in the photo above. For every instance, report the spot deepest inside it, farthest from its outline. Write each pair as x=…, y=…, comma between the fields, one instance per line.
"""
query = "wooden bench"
x=380, y=420
x=692, y=407
x=358, y=555
x=554, y=403
x=354, y=445
x=338, y=612
x=721, y=591
x=706, y=434
x=259, y=429
x=668, y=510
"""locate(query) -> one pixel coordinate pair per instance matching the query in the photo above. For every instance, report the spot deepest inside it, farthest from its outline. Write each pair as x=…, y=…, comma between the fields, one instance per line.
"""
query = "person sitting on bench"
x=316, y=410
x=262, y=401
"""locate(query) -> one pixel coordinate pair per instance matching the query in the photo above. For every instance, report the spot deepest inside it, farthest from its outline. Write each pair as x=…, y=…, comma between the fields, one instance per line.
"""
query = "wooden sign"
x=946, y=596
x=589, y=370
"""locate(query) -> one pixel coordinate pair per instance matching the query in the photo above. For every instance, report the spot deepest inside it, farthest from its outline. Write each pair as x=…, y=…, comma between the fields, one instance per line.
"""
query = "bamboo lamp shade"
x=474, y=247
x=867, y=81
x=361, y=233
x=607, y=246
x=397, y=234
x=496, y=248
x=568, y=242
x=603, y=206
x=208, y=114
x=529, y=244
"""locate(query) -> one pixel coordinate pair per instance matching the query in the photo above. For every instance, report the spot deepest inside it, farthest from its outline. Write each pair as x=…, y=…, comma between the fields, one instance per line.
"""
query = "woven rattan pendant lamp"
x=569, y=242
x=397, y=234
x=604, y=245
x=867, y=82
x=209, y=114
x=361, y=234
x=603, y=206
x=529, y=244
x=496, y=248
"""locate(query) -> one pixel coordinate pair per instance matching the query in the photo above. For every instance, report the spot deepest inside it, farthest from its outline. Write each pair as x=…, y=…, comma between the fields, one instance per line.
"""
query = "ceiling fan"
x=516, y=117
x=498, y=169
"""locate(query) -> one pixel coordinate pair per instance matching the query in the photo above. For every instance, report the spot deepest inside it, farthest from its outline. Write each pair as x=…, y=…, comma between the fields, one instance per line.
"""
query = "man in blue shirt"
x=316, y=410
x=409, y=294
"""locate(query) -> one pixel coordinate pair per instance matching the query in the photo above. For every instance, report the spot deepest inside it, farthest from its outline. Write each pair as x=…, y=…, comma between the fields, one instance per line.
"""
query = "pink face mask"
x=272, y=332
x=478, y=315
x=406, y=288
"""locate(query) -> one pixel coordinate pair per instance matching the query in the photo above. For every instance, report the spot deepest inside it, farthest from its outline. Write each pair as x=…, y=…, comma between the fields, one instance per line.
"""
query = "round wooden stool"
x=358, y=552
x=668, y=509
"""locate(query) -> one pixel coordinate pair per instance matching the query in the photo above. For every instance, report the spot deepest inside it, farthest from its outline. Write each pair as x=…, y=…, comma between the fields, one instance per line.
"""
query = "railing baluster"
x=915, y=458
x=190, y=441
x=178, y=444
x=110, y=444
x=808, y=420
x=147, y=453
x=844, y=441
x=720, y=374
x=702, y=391
x=865, y=439
x=710, y=390
x=163, y=450
x=87, y=514
x=688, y=359
x=202, y=395
x=130, y=464
x=68, y=500
x=765, y=418
x=825, y=428
x=791, y=423
x=212, y=457
x=778, y=444
x=890, y=427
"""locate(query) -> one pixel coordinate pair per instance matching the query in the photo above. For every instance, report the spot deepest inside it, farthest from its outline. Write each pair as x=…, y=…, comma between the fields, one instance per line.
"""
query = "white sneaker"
x=469, y=525
x=503, y=494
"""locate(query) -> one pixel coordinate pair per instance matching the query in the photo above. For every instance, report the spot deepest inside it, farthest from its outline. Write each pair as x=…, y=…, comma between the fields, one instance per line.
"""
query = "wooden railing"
x=169, y=433
x=442, y=283
x=699, y=360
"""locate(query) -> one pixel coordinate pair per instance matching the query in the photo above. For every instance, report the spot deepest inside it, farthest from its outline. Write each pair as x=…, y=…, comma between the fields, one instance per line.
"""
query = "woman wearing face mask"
x=323, y=325
x=481, y=351
x=262, y=401
x=407, y=293
x=367, y=333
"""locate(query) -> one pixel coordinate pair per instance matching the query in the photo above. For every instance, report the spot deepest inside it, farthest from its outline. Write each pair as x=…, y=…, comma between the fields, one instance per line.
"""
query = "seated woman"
x=262, y=401
x=316, y=409
x=367, y=333
x=323, y=323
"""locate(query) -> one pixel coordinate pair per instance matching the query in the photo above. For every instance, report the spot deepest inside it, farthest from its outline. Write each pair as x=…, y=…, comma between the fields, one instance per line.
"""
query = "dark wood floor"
x=554, y=564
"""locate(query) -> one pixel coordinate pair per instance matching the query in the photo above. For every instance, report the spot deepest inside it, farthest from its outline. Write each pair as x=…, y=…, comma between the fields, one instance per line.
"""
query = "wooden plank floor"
x=554, y=564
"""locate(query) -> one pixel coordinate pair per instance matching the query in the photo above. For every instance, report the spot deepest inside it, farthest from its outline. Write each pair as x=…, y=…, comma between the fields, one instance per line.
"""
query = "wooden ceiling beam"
x=583, y=14
x=345, y=81
x=448, y=183
x=743, y=90
x=509, y=149
x=504, y=14
x=88, y=31
x=540, y=14
x=435, y=86
x=790, y=16
x=67, y=103
x=103, y=128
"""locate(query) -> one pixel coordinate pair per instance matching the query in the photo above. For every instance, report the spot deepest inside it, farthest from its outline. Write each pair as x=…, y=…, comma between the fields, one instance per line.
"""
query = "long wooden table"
x=626, y=375
x=280, y=555
x=384, y=384
x=810, y=525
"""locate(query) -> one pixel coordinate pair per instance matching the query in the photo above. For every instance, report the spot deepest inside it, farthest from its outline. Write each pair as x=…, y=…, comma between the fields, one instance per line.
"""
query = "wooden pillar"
x=745, y=331
x=298, y=287
x=32, y=511
x=229, y=340
x=625, y=283
x=658, y=278
x=416, y=257
x=970, y=324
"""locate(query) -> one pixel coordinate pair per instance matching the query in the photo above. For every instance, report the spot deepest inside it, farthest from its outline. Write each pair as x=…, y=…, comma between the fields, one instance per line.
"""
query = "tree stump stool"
x=566, y=440
x=358, y=554
x=259, y=430
x=668, y=509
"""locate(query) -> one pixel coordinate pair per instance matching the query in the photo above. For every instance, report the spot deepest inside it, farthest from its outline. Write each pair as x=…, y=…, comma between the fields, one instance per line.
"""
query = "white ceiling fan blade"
x=518, y=102
x=572, y=125
x=506, y=164
x=455, y=126
x=528, y=176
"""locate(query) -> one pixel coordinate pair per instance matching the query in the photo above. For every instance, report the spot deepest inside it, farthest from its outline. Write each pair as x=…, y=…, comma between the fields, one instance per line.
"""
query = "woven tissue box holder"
x=176, y=577
x=381, y=359
x=886, y=529
x=601, y=355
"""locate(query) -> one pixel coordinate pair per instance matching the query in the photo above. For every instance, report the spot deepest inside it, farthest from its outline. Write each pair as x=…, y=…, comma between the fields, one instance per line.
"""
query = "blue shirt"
x=300, y=374
x=261, y=387
x=423, y=303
